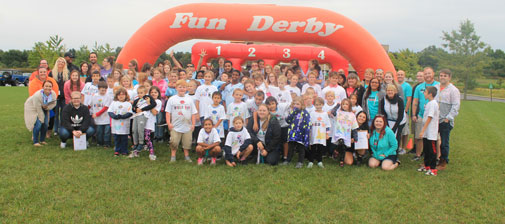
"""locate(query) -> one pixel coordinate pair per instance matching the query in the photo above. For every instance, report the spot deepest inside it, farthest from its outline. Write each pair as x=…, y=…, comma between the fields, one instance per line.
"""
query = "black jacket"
x=272, y=136
x=146, y=108
x=74, y=119
x=61, y=82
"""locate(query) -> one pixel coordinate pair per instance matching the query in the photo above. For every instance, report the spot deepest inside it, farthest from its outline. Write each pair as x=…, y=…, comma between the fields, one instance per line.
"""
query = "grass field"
x=52, y=185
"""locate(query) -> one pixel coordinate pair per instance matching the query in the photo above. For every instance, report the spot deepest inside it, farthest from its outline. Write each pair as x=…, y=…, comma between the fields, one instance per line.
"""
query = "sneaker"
x=116, y=154
x=416, y=158
x=422, y=169
x=285, y=163
x=299, y=165
x=152, y=157
x=412, y=151
x=309, y=165
x=402, y=152
x=63, y=145
x=172, y=159
x=132, y=155
x=188, y=159
x=432, y=172
x=145, y=148
x=320, y=164
x=341, y=164
x=200, y=161
x=213, y=161
x=87, y=144
x=442, y=165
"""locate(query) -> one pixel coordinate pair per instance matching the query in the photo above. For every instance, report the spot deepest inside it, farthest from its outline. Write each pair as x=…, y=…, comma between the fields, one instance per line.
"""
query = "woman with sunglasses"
x=383, y=144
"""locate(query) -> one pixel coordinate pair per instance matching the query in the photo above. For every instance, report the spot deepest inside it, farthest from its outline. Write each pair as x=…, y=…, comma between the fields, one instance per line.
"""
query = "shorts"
x=406, y=130
x=176, y=137
x=418, y=128
x=284, y=135
x=392, y=158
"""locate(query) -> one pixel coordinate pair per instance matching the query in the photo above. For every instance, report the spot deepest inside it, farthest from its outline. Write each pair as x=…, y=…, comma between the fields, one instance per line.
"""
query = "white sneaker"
x=320, y=164
x=131, y=155
x=310, y=165
x=152, y=157
x=402, y=152
x=87, y=144
x=63, y=145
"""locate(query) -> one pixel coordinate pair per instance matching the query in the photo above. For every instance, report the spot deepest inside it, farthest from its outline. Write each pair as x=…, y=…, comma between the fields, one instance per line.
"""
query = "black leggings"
x=342, y=148
x=399, y=136
x=315, y=152
x=295, y=146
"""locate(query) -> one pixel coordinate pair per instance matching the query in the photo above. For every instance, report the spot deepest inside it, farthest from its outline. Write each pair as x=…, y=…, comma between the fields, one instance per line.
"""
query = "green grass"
x=52, y=185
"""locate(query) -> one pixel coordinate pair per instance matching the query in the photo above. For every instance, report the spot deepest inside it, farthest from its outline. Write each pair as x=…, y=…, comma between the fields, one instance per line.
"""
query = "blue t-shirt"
x=373, y=104
x=419, y=94
x=407, y=92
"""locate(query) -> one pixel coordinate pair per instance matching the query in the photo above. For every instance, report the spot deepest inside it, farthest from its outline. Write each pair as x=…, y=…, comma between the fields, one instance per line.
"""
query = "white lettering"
x=330, y=29
x=313, y=25
x=198, y=22
x=257, y=20
x=180, y=18
x=294, y=25
x=280, y=26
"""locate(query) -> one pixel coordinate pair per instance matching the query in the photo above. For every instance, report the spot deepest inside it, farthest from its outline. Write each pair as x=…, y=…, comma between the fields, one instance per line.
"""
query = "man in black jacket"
x=69, y=57
x=75, y=120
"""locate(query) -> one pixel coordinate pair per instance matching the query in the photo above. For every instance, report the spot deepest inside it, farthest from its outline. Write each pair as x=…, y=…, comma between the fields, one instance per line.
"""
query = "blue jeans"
x=103, y=134
x=121, y=144
x=65, y=134
x=445, y=131
x=39, y=131
x=57, y=113
x=159, y=132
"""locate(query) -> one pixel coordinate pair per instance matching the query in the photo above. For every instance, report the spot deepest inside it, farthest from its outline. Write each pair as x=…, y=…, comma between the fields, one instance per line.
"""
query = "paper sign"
x=80, y=143
x=362, y=142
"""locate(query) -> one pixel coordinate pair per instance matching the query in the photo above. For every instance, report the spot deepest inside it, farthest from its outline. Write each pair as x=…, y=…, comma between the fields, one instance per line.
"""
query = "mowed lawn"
x=54, y=185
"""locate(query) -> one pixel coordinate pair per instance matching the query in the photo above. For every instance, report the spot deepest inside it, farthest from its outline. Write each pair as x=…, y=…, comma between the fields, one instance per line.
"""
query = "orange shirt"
x=36, y=85
x=35, y=73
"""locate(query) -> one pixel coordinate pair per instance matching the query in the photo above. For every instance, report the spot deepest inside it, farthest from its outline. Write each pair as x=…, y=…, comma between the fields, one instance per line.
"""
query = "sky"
x=399, y=24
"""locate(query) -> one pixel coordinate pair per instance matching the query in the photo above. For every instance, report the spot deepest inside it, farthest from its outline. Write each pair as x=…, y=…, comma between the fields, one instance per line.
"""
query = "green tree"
x=405, y=60
x=465, y=45
x=495, y=65
x=49, y=50
x=432, y=56
x=14, y=59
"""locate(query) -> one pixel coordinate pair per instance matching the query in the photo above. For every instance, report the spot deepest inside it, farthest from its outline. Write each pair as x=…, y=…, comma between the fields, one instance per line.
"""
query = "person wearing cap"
x=69, y=57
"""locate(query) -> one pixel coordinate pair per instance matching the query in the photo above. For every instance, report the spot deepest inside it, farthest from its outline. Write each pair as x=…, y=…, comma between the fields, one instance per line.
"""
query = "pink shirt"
x=162, y=85
x=67, y=91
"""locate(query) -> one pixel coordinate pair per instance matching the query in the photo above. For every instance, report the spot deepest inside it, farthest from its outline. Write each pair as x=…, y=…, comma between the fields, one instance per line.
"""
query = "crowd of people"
x=261, y=114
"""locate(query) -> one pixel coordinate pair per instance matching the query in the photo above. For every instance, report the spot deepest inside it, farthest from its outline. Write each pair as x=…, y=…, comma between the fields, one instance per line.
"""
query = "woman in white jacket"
x=37, y=109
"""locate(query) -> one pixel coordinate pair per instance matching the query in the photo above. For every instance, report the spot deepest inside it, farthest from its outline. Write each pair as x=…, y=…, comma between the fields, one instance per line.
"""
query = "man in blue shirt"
x=418, y=105
x=407, y=101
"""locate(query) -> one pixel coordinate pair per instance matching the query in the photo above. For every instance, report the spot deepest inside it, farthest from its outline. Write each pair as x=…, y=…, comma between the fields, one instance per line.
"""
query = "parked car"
x=13, y=77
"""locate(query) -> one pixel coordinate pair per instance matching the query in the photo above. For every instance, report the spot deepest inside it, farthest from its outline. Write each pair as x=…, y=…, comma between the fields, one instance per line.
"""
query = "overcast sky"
x=400, y=24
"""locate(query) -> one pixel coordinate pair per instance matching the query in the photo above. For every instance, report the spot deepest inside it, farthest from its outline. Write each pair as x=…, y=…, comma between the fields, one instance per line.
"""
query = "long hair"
x=65, y=72
x=88, y=73
x=369, y=88
x=264, y=127
x=120, y=90
x=352, y=76
x=381, y=131
x=78, y=82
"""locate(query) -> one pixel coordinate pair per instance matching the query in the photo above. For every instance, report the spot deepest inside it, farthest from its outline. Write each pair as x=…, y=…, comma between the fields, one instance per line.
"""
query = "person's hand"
x=238, y=154
x=148, y=100
x=382, y=155
x=260, y=146
x=327, y=136
x=77, y=133
x=192, y=127
x=421, y=134
x=255, y=127
x=446, y=120
x=93, y=116
x=172, y=53
x=138, y=110
x=44, y=107
x=264, y=152
x=170, y=126
x=414, y=118
x=352, y=140
x=203, y=53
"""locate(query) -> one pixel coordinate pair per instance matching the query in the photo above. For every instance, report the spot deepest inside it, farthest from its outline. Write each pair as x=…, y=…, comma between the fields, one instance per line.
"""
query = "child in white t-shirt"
x=253, y=104
x=429, y=133
x=237, y=108
x=203, y=94
x=238, y=142
x=320, y=132
x=283, y=95
x=344, y=131
x=91, y=88
x=292, y=88
x=208, y=141
x=141, y=106
x=340, y=93
x=120, y=111
x=312, y=83
x=181, y=116
x=99, y=104
x=154, y=92
x=354, y=101
x=216, y=114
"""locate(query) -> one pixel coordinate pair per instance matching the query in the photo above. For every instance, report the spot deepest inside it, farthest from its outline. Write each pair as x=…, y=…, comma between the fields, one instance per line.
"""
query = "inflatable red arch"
x=264, y=23
x=272, y=54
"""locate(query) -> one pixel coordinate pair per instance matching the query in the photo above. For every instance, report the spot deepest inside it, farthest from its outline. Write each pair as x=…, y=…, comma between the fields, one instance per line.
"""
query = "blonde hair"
x=393, y=87
x=329, y=92
x=298, y=99
x=282, y=78
x=265, y=124
x=181, y=82
x=125, y=77
x=141, y=77
x=65, y=72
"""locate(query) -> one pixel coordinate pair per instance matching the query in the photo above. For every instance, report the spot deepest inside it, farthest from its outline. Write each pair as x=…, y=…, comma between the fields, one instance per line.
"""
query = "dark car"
x=13, y=77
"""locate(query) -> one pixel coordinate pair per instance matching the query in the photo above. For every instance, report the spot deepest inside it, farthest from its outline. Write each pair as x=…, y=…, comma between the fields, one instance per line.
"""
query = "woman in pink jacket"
x=71, y=85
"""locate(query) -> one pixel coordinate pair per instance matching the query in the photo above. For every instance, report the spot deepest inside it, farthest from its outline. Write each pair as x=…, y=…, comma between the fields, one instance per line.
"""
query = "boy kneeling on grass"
x=208, y=142
x=238, y=142
x=429, y=133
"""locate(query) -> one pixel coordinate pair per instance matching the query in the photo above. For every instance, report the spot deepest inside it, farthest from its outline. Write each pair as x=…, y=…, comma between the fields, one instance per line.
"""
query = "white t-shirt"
x=120, y=126
x=340, y=93
x=181, y=110
x=235, y=110
x=283, y=96
x=316, y=87
x=216, y=114
x=97, y=103
x=132, y=93
x=310, y=109
x=208, y=138
x=431, y=110
x=272, y=91
x=281, y=114
x=251, y=106
x=294, y=90
x=320, y=125
x=261, y=133
x=327, y=108
x=356, y=109
x=200, y=112
x=262, y=87
x=151, y=118
x=344, y=124
x=88, y=90
x=203, y=95
x=237, y=139
x=110, y=92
